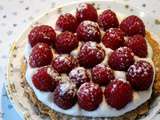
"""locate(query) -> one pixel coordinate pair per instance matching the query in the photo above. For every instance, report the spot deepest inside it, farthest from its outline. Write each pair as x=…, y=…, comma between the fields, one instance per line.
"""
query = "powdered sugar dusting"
x=141, y=68
x=125, y=55
x=63, y=58
x=124, y=50
x=92, y=28
x=67, y=87
x=79, y=73
x=88, y=89
x=89, y=45
x=88, y=23
x=93, y=46
x=53, y=73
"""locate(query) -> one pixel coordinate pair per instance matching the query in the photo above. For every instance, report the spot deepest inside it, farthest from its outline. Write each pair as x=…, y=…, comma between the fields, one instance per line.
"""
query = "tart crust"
x=132, y=115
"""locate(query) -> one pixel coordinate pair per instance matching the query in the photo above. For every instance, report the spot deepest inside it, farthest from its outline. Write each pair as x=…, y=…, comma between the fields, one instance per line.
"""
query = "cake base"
x=132, y=115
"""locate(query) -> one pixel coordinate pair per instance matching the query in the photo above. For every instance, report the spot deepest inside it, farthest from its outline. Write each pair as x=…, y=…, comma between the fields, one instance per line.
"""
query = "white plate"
x=14, y=79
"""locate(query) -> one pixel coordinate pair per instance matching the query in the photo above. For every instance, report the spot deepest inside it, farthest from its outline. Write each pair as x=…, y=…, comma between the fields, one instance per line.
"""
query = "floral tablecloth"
x=15, y=15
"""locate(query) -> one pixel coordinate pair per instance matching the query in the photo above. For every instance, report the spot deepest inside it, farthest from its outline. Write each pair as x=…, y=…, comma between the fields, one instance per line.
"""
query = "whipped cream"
x=104, y=110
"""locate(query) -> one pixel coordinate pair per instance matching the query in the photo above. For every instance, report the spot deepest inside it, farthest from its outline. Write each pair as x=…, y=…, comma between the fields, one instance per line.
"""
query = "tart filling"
x=74, y=57
x=104, y=110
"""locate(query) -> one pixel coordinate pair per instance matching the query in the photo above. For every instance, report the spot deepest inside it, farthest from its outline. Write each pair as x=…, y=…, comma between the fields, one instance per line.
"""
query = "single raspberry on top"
x=86, y=11
x=79, y=75
x=89, y=96
x=108, y=19
x=138, y=45
x=140, y=75
x=45, y=79
x=66, y=42
x=133, y=25
x=113, y=38
x=42, y=33
x=66, y=22
x=89, y=31
x=102, y=74
x=121, y=59
x=41, y=55
x=65, y=95
x=64, y=64
x=118, y=94
x=90, y=54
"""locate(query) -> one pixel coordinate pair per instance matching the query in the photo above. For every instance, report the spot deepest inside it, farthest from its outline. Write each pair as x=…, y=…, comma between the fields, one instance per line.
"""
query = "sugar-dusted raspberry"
x=89, y=31
x=90, y=54
x=89, y=96
x=140, y=75
x=64, y=95
x=66, y=42
x=118, y=94
x=113, y=38
x=133, y=25
x=41, y=55
x=121, y=59
x=42, y=33
x=86, y=11
x=66, y=22
x=102, y=74
x=46, y=79
x=138, y=45
x=64, y=63
x=108, y=19
x=79, y=75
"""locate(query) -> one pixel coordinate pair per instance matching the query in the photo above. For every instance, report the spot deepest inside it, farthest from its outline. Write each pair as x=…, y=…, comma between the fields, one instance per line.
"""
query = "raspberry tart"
x=91, y=64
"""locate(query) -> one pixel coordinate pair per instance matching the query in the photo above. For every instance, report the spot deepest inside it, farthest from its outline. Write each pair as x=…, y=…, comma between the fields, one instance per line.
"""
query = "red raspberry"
x=113, y=38
x=86, y=11
x=64, y=64
x=43, y=33
x=133, y=25
x=89, y=96
x=89, y=31
x=41, y=55
x=65, y=95
x=118, y=94
x=66, y=22
x=45, y=79
x=102, y=74
x=66, y=42
x=90, y=54
x=138, y=45
x=121, y=59
x=108, y=19
x=79, y=76
x=140, y=75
